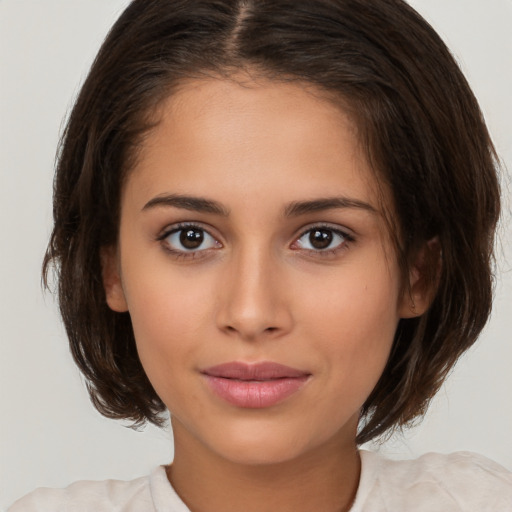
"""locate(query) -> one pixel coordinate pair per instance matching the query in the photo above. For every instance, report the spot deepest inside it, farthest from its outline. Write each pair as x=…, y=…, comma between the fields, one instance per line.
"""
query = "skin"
x=258, y=290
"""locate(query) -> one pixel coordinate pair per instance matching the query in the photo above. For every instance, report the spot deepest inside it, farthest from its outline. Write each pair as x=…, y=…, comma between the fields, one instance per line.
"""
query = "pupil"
x=191, y=238
x=320, y=238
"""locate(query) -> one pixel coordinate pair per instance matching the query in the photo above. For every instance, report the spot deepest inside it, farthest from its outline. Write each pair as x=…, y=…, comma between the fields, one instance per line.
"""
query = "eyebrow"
x=195, y=204
x=293, y=209
x=297, y=208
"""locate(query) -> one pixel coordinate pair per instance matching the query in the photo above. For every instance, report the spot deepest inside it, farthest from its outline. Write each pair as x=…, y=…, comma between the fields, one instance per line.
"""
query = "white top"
x=460, y=482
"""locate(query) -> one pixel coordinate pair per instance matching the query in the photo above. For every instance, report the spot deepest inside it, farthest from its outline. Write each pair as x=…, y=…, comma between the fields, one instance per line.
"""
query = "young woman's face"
x=257, y=269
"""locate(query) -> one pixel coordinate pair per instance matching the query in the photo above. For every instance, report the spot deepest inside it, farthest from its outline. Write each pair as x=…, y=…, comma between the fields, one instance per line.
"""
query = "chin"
x=267, y=443
x=261, y=452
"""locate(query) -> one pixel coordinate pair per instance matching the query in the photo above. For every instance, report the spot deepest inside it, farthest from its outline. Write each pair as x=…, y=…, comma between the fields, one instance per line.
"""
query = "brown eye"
x=320, y=238
x=191, y=238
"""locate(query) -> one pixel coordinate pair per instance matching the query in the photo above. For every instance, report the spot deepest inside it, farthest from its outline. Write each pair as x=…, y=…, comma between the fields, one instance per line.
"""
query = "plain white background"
x=50, y=434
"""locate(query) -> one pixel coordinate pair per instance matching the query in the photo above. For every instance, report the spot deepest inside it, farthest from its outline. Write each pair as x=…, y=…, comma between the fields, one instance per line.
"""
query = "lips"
x=254, y=386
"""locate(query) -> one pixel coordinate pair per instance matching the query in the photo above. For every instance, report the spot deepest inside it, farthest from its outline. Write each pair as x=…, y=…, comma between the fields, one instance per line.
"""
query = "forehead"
x=256, y=135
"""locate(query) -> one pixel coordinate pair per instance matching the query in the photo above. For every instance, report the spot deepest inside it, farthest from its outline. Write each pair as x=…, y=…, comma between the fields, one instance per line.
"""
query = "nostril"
x=267, y=330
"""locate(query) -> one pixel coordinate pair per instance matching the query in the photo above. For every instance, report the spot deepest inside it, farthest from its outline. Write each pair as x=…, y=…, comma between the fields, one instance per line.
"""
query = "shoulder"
x=100, y=496
x=462, y=482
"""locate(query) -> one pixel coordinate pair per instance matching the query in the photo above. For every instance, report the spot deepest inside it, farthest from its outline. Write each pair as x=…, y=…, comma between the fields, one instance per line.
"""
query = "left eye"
x=321, y=239
x=190, y=239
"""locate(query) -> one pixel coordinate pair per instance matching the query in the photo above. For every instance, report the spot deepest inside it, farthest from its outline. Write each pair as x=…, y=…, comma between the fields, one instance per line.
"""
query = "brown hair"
x=417, y=117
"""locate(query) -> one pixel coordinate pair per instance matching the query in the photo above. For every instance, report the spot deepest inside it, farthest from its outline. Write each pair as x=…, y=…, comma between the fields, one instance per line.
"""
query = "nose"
x=254, y=297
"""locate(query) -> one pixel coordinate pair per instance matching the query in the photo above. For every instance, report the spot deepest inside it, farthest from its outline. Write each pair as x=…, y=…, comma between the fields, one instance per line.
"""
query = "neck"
x=324, y=479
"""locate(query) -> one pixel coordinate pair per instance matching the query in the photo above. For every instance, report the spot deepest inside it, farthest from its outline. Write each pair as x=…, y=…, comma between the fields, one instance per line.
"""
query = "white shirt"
x=460, y=482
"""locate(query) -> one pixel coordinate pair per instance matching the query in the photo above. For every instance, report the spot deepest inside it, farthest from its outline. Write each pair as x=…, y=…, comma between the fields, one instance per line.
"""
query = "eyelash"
x=348, y=239
x=183, y=254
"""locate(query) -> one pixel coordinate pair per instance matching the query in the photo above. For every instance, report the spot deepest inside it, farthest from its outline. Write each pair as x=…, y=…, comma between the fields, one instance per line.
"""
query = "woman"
x=276, y=221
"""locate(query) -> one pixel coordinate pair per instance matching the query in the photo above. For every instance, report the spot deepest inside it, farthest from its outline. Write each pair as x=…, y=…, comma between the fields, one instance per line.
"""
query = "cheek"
x=354, y=319
x=359, y=301
x=168, y=313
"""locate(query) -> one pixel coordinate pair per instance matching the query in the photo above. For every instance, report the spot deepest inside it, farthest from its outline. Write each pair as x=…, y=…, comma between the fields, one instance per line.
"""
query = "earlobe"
x=423, y=280
x=112, y=283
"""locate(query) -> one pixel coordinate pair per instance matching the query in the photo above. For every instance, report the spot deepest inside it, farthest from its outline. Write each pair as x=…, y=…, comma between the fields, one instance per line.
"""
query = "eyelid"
x=181, y=226
x=336, y=228
x=178, y=226
x=346, y=234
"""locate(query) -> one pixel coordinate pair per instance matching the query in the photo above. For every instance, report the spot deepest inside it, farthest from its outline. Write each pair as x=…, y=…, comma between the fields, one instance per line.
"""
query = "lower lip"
x=252, y=394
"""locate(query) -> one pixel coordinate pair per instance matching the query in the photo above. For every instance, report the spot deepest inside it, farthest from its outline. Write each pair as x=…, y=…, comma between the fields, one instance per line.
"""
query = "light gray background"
x=50, y=434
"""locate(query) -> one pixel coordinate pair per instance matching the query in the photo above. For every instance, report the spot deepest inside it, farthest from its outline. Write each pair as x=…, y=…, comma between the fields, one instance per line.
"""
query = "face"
x=255, y=263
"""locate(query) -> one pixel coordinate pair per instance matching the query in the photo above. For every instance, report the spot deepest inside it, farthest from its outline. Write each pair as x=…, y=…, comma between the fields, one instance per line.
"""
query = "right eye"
x=188, y=239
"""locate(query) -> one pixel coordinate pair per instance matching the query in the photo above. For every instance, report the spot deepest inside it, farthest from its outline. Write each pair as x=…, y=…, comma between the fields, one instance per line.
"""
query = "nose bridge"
x=253, y=301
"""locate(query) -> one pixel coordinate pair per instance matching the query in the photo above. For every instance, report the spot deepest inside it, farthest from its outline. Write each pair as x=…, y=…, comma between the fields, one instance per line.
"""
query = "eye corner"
x=172, y=240
x=327, y=235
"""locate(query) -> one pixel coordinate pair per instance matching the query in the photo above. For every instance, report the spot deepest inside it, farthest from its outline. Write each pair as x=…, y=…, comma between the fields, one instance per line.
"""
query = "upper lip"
x=254, y=371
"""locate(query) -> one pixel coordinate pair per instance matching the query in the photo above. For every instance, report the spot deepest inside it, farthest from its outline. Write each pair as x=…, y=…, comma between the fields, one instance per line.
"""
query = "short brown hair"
x=417, y=118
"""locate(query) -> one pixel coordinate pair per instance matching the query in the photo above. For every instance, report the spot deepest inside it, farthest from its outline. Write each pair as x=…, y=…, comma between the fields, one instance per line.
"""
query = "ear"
x=112, y=283
x=423, y=280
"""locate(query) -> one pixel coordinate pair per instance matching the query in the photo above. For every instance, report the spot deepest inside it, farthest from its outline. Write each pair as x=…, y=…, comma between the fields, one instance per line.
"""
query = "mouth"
x=254, y=386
